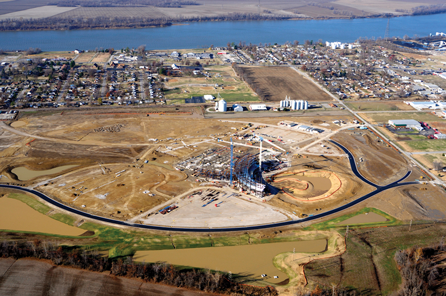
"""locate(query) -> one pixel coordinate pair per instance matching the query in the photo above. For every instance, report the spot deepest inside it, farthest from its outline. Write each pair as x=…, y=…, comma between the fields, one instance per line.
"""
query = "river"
x=204, y=34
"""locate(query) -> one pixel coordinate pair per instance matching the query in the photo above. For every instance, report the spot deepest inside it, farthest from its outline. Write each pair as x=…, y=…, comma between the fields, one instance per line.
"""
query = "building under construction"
x=215, y=165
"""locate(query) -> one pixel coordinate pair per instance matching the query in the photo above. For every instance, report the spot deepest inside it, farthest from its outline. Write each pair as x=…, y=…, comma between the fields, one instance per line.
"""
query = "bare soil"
x=278, y=82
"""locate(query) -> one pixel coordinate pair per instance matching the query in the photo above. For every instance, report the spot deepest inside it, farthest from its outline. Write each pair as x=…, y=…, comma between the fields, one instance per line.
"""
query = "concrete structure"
x=407, y=123
x=258, y=107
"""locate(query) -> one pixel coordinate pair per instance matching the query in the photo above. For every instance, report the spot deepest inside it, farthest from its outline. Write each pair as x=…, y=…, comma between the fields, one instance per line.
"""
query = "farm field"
x=35, y=13
x=275, y=83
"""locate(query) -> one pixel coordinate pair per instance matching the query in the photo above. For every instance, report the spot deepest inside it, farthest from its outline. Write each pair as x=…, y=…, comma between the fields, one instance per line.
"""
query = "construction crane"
x=231, y=163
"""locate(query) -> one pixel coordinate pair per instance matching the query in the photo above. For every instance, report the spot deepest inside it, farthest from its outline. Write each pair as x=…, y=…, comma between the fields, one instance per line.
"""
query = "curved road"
x=378, y=189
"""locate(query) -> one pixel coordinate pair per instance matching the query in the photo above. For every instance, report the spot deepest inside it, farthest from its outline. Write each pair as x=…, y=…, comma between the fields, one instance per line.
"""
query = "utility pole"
x=346, y=232
x=386, y=35
x=410, y=226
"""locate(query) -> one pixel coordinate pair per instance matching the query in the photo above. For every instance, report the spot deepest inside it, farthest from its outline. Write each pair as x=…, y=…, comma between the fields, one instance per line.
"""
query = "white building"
x=407, y=123
x=419, y=105
x=237, y=108
x=258, y=107
x=208, y=97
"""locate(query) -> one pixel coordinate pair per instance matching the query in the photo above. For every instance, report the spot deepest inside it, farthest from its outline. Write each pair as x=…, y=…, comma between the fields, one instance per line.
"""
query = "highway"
x=378, y=189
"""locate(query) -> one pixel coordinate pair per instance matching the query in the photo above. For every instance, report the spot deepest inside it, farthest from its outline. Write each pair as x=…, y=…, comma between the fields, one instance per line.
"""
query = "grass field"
x=427, y=145
x=377, y=106
x=274, y=83
x=385, y=117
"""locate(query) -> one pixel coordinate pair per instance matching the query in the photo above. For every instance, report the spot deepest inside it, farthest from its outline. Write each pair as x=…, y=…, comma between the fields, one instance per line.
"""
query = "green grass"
x=64, y=218
x=427, y=145
x=36, y=205
x=334, y=223
x=417, y=137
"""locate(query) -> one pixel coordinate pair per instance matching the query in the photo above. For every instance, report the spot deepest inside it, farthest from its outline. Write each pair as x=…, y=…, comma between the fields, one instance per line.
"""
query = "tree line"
x=423, y=270
x=203, y=280
x=103, y=22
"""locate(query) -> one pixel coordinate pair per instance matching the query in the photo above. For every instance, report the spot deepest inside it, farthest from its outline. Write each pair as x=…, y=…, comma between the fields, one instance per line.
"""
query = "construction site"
x=158, y=169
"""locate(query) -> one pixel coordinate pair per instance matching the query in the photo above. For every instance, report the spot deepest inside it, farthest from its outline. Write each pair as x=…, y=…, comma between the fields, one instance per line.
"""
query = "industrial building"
x=237, y=108
x=293, y=104
x=407, y=123
x=258, y=107
x=424, y=105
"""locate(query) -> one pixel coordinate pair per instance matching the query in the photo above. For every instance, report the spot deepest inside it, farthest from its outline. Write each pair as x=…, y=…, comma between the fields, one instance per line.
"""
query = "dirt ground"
x=43, y=278
x=278, y=82
x=306, y=203
x=381, y=164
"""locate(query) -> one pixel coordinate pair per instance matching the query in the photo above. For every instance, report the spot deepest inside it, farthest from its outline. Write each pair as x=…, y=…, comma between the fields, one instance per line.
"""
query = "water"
x=220, y=33
x=252, y=260
x=25, y=174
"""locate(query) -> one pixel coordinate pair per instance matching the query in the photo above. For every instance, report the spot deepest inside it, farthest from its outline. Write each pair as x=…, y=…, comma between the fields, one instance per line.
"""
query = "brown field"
x=36, y=13
x=277, y=82
x=85, y=57
x=101, y=58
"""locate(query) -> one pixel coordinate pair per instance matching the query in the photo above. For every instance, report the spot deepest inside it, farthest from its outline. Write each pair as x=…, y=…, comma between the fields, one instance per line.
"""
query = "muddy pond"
x=247, y=260
x=16, y=215
x=25, y=174
x=370, y=217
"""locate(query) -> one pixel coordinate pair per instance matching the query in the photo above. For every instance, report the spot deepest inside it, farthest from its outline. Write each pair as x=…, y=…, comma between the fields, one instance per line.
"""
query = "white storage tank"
x=294, y=105
x=222, y=106
x=305, y=105
x=299, y=105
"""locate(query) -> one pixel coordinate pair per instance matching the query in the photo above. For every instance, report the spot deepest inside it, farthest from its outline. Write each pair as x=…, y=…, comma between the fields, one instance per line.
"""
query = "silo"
x=294, y=105
x=222, y=106
x=216, y=106
x=305, y=105
x=282, y=103
x=298, y=105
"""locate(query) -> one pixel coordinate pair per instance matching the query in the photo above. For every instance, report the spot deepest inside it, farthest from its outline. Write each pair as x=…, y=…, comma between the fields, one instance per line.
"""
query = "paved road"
x=378, y=189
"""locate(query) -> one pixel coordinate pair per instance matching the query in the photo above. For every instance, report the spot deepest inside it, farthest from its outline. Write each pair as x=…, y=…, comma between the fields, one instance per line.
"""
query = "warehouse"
x=258, y=107
x=407, y=123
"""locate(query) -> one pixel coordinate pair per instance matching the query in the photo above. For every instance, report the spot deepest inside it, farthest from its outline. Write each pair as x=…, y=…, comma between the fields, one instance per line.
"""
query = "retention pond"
x=363, y=219
x=16, y=215
x=249, y=260
x=25, y=174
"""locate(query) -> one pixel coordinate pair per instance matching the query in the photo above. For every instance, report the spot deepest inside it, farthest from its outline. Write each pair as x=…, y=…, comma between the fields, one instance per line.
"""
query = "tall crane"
x=231, y=163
